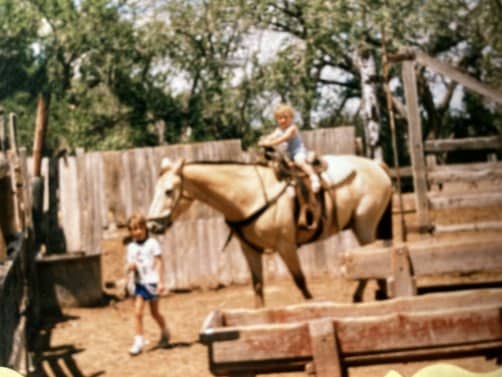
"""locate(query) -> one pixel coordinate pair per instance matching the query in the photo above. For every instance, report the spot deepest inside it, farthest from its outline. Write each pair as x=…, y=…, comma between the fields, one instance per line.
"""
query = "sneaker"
x=164, y=340
x=137, y=346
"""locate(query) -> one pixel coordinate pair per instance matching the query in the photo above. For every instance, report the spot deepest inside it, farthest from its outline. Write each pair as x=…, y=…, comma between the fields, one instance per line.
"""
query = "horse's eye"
x=168, y=192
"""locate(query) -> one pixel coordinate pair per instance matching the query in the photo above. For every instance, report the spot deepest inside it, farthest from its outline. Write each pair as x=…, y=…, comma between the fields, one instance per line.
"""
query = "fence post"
x=416, y=145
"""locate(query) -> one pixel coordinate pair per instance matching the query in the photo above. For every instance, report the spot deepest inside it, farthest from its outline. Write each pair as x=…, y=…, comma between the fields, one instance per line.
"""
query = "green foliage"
x=114, y=69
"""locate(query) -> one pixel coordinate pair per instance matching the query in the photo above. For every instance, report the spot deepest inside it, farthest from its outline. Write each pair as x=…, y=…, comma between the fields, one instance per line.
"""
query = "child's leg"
x=159, y=318
x=137, y=346
x=139, y=307
x=300, y=160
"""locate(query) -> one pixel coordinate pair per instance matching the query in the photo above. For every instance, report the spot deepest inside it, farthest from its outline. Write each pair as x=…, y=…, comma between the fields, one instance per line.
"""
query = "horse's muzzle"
x=159, y=225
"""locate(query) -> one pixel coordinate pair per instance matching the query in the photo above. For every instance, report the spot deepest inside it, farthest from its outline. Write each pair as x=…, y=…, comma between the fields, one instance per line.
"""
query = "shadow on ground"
x=57, y=361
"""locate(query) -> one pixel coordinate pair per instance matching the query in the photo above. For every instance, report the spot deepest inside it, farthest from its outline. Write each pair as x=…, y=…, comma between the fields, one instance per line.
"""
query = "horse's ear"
x=165, y=164
x=179, y=164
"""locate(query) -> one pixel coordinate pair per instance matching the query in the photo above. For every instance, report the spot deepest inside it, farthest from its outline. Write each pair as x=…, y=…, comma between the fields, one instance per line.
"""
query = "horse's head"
x=169, y=200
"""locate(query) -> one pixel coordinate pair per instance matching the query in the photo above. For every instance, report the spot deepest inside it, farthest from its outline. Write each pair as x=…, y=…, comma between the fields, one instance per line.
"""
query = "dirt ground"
x=95, y=341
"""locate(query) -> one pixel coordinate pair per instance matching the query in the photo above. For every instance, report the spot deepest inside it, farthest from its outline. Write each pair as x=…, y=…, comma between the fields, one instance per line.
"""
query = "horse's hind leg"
x=255, y=262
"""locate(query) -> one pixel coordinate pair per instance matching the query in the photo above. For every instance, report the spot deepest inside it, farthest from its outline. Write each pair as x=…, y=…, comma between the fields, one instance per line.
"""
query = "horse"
x=260, y=208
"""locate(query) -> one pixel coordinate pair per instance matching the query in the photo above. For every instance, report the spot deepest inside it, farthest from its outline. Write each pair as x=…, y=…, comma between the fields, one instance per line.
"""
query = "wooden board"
x=309, y=311
x=395, y=336
x=426, y=258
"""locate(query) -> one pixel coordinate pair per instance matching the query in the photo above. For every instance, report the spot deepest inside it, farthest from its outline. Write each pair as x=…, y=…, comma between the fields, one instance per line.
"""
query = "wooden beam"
x=3, y=247
x=445, y=174
x=468, y=143
x=327, y=360
x=453, y=73
x=415, y=144
x=468, y=227
x=467, y=200
x=462, y=256
x=309, y=311
x=428, y=332
x=402, y=282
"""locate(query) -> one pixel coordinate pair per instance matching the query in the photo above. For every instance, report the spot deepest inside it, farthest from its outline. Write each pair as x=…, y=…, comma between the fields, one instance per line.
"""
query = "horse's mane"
x=222, y=162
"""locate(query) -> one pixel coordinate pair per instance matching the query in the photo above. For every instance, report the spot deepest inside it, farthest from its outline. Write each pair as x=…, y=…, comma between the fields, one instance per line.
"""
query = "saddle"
x=309, y=203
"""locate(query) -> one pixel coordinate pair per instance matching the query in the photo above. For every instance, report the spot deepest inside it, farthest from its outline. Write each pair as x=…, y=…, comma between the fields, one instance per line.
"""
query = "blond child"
x=287, y=132
x=144, y=258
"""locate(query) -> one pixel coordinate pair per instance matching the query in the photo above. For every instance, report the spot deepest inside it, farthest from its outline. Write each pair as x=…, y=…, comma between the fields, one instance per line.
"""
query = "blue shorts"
x=147, y=291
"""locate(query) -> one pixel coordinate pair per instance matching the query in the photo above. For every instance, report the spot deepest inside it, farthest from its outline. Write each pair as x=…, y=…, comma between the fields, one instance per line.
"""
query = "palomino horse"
x=260, y=209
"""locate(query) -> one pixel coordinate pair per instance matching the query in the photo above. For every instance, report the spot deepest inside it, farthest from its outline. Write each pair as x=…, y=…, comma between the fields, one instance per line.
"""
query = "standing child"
x=287, y=132
x=144, y=257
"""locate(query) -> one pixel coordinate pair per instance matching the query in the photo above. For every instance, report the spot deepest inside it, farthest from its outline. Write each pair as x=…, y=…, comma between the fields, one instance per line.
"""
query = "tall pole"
x=40, y=131
x=395, y=155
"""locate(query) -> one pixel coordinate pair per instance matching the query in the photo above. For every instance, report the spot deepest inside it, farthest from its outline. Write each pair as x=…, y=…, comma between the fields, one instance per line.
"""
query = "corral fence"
x=90, y=195
x=429, y=175
x=18, y=298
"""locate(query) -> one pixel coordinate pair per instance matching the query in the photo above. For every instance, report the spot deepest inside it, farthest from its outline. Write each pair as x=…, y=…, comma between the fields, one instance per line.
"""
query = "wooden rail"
x=426, y=258
x=324, y=339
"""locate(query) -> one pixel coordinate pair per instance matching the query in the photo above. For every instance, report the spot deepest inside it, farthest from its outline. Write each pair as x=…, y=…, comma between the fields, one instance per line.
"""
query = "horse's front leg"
x=289, y=255
x=255, y=262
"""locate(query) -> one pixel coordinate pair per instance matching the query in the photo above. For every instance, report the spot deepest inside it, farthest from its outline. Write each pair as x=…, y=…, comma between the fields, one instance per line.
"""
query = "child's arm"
x=159, y=267
x=276, y=138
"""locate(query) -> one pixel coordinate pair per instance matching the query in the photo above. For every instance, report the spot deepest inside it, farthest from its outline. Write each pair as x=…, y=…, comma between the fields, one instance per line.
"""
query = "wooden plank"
x=4, y=166
x=465, y=200
x=309, y=311
x=3, y=247
x=327, y=361
x=468, y=143
x=364, y=335
x=446, y=174
x=453, y=73
x=415, y=144
x=69, y=201
x=402, y=282
x=84, y=199
x=3, y=131
x=427, y=258
x=468, y=227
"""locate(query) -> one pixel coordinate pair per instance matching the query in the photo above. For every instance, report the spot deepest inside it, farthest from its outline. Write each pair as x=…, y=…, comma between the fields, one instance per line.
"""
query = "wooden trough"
x=324, y=339
x=401, y=264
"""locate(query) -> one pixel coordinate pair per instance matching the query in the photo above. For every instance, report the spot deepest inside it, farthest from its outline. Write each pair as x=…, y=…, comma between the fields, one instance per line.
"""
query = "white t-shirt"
x=143, y=255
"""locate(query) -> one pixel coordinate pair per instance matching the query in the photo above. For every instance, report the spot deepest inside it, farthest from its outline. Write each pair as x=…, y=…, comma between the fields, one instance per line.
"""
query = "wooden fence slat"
x=453, y=73
x=415, y=143
x=466, y=200
x=468, y=143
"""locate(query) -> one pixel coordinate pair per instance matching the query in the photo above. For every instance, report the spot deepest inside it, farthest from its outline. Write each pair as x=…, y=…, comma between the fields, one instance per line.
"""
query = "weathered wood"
x=327, y=361
x=40, y=131
x=426, y=258
x=468, y=227
x=402, y=282
x=4, y=166
x=468, y=143
x=3, y=132
x=285, y=347
x=447, y=174
x=13, y=148
x=453, y=73
x=415, y=144
x=3, y=247
x=309, y=311
x=465, y=200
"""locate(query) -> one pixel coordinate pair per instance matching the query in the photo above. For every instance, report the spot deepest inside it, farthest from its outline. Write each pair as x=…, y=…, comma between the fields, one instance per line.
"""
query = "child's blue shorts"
x=147, y=291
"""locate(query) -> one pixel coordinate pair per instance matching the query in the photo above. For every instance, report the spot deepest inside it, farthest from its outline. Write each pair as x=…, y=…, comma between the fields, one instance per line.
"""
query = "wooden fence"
x=98, y=191
x=425, y=169
x=18, y=295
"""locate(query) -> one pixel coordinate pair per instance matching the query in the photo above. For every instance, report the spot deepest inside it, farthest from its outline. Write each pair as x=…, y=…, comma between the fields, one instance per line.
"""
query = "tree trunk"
x=369, y=105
